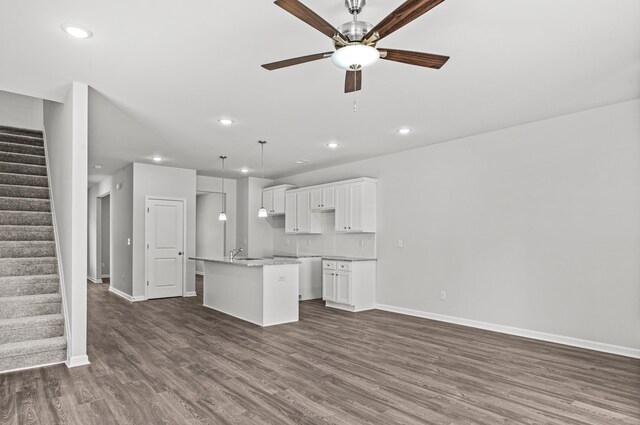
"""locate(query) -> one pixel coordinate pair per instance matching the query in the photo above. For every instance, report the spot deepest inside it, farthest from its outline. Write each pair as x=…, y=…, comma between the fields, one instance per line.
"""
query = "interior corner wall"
x=21, y=111
x=66, y=126
x=94, y=217
x=214, y=184
x=167, y=182
x=254, y=234
x=122, y=230
x=534, y=227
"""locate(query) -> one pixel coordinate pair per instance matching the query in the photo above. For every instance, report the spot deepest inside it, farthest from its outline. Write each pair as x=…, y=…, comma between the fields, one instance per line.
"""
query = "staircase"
x=31, y=321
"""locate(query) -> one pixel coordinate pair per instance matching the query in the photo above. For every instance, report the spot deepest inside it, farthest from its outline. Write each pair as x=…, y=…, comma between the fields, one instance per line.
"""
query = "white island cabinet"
x=263, y=292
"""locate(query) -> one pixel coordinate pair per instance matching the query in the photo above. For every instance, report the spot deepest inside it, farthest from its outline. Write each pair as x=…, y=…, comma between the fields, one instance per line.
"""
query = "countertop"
x=248, y=263
x=337, y=258
x=298, y=256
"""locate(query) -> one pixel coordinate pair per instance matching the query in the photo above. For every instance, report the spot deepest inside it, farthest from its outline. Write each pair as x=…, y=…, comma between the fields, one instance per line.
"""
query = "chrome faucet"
x=234, y=252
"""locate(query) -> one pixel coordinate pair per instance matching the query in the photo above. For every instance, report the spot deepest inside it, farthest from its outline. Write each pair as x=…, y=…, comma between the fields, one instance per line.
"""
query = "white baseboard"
x=30, y=367
x=200, y=273
x=190, y=294
x=76, y=361
x=126, y=296
x=94, y=280
x=108, y=276
x=542, y=336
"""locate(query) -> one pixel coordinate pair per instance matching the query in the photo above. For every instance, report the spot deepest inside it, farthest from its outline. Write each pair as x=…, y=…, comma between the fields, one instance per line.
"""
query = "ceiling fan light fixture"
x=355, y=56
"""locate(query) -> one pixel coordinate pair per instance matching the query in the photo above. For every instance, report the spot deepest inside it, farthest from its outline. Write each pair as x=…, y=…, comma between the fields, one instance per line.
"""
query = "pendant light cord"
x=224, y=198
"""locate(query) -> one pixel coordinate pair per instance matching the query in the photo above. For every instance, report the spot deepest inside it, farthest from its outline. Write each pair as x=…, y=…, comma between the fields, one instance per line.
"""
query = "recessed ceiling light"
x=225, y=121
x=302, y=161
x=97, y=166
x=332, y=145
x=244, y=170
x=157, y=158
x=77, y=31
x=404, y=130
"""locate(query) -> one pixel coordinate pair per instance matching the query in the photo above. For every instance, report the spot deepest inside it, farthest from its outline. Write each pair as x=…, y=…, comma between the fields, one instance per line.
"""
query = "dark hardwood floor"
x=173, y=362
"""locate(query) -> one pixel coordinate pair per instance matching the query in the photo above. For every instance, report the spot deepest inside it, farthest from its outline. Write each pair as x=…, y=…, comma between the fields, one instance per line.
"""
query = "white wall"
x=533, y=227
x=214, y=184
x=122, y=230
x=94, y=214
x=21, y=111
x=210, y=232
x=176, y=183
x=66, y=135
x=254, y=234
x=104, y=262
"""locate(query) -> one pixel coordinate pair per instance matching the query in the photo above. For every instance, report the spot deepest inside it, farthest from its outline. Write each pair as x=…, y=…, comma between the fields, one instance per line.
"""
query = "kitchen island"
x=260, y=291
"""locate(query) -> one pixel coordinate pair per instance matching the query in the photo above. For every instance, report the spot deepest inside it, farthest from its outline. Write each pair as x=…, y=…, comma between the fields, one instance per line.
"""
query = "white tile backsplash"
x=327, y=243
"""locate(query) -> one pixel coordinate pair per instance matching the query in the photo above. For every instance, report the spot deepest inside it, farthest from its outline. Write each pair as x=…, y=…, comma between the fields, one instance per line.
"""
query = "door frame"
x=100, y=236
x=147, y=198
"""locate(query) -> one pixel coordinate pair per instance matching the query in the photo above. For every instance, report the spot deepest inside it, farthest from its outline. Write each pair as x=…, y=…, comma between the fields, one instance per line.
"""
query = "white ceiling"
x=171, y=69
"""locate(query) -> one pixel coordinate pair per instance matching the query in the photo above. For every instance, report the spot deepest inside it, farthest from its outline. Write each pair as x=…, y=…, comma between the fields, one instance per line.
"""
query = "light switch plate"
x=400, y=243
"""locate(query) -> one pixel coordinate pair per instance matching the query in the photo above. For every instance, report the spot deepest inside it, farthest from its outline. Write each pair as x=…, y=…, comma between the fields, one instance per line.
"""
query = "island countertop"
x=249, y=263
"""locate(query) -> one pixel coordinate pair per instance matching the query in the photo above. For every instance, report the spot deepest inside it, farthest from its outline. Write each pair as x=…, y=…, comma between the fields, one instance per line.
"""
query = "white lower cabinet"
x=349, y=285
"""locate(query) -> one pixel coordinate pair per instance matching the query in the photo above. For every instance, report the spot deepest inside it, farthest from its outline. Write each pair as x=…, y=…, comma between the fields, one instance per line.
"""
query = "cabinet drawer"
x=328, y=264
x=343, y=265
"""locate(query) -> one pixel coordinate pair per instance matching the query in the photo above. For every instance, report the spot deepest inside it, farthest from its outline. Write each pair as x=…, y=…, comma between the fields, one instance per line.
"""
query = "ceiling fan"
x=355, y=41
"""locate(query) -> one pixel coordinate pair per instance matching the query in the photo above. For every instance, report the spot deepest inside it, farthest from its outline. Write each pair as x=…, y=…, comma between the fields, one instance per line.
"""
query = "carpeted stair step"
x=26, y=249
x=24, y=179
x=25, y=218
x=4, y=129
x=22, y=158
x=21, y=148
x=30, y=305
x=31, y=328
x=16, y=286
x=28, y=266
x=12, y=191
x=21, y=140
x=24, y=204
x=17, y=168
x=26, y=233
x=19, y=355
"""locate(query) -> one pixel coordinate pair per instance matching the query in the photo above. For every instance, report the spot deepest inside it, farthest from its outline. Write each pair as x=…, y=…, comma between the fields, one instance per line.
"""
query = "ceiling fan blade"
x=407, y=12
x=296, y=61
x=414, y=58
x=353, y=81
x=307, y=15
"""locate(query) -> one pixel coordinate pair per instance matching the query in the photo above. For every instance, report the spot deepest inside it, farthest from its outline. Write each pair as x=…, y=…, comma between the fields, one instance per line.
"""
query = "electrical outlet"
x=361, y=243
x=443, y=295
x=400, y=243
x=308, y=242
x=128, y=241
x=282, y=279
x=124, y=278
x=287, y=241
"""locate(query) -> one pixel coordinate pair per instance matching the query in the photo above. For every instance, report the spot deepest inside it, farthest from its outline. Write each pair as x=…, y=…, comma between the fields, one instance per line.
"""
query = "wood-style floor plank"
x=174, y=362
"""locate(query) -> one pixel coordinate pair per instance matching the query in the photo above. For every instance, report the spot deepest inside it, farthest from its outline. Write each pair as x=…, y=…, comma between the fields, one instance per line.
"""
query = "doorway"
x=164, y=240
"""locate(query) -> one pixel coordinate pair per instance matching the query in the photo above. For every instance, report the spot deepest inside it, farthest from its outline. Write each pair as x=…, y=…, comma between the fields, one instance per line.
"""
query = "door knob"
x=179, y=252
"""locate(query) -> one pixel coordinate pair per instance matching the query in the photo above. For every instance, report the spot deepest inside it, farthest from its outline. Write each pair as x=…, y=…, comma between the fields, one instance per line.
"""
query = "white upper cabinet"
x=273, y=198
x=355, y=205
x=298, y=216
x=323, y=198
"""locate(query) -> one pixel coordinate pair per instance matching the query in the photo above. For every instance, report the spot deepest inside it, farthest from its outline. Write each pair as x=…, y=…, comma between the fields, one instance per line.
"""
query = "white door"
x=342, y=208
x=343, y=287
x=356, y=194
x=290, y=213
x=278, y=201
x=328, y=285
x=304, y=213
x=165, y=248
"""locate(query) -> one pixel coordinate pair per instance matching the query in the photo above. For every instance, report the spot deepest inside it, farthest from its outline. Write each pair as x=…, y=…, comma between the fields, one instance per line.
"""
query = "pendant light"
x=262, y=213
x=223, y=214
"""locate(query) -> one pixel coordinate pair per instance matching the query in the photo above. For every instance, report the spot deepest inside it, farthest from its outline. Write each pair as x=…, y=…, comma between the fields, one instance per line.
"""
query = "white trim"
x=78, y=361
x=108, y=276
x=190, y=294
x=147, y=198
x=94, y=280
x=31, y=367
x=542, y=336
x=199, y=273
x=126, y=296
x=56, y=239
